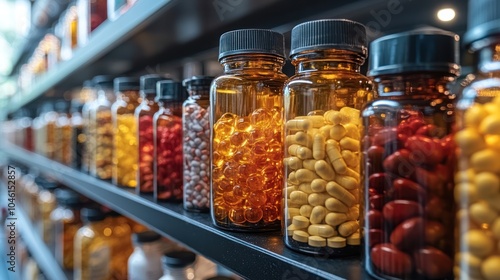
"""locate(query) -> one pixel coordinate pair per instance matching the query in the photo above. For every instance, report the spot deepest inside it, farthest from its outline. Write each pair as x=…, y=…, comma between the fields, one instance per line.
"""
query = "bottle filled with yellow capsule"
x=322, y=137
x=246, y=117
x=125, y=151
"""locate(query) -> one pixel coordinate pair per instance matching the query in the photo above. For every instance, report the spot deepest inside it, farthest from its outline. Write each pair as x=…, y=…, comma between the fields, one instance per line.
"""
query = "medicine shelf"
x=253, y=256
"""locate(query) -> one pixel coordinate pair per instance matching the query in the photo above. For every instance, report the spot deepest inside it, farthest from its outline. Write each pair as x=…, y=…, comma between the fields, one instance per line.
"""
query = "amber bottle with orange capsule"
x=246, y=117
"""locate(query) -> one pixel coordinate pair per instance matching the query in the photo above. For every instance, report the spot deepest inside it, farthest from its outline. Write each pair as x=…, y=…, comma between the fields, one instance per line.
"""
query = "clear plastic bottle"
x=92, y=248
x=120, y=241
x=322, y=103
x=125, y=150
x=99, y=145
x=477, y=180
x=178, y=265
x=168, y=141
x=196, y=143
x=66, y=221
x=145, y=262
x=408, y=156
x=246, y=117
x=144, y=115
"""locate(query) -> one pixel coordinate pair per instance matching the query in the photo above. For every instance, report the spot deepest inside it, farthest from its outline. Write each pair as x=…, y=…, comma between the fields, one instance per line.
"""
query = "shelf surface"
x=254, y=256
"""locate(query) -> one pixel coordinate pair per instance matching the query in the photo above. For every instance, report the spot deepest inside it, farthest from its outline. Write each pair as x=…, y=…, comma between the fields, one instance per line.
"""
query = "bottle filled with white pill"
x=322, y=139
x=477, y=181
x=408, y=156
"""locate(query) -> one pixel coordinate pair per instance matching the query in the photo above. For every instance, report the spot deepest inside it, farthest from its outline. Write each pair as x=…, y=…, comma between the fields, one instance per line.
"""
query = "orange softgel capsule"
x=247, y=168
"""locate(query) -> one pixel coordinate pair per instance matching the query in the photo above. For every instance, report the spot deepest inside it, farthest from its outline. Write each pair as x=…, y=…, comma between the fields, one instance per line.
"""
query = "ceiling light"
x=446, y=14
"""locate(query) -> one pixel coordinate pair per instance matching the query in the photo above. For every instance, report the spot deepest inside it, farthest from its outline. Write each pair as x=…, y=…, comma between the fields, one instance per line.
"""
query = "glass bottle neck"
x=425, y=86
x=489, y=60
x=129, y=96
x=328, y=60
x=251, y=62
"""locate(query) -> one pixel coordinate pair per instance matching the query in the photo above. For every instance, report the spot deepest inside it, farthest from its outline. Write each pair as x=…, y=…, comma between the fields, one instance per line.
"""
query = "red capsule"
x=408, y=190
x=433, y=263
x=376, y=202
x=400, y=163
x=375, y=156
x=390, y=260
x=428, y=130
x=416, y=124
x=434, y=208
x=376, y=236
x=379, y=182
x=399, y=210
x=434, y=232
x=429, y=180
x=375, y=219
x=384, y=136
x=424, y=150
x=407, y=235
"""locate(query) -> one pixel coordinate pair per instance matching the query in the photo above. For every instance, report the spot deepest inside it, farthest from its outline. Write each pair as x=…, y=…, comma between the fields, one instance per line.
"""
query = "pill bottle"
x=31, y=190
x=168, y=141
x=144, y=115
x=92, y=252
x=62, y=134
x=125, y=131
x=322, y=103
x=178, y=265
x=66, y=221
x=477, y=180
x=77, y=135
x=145, y=262
x=47, y=203
x=246, y=118
x=88, y=95
x=408, y=156
x=40, y=129
x=99, y=144
x=196, y=143
x=120, y=241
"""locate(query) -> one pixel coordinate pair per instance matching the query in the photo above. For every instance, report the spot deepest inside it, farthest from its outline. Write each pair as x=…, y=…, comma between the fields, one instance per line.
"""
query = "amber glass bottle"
x=168, y=141
x=477, y=181
x=88, y=95
x=120, y=241
x=322, y=103
x=246, y=117
x=144, y=117
x=66, y=221
x=46, y=204
x=408, y=156
x=62, y=135
x=196, y=143
x=92, y=247
x=99, y=144
x=125, y=149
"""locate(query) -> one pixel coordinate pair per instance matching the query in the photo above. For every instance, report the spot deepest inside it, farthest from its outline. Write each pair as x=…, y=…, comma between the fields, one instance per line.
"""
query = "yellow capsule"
x=309, y=164
x=333, y=152
x=352, y=115
x=293, y=163
x=305, y=210
x=298, y=124
x=305, y=175
x=335, y=205
x=334, y=219
x=348, y=143
x=298, y=197
x=303, y=139
x=348, y=228
x=340, y=193
x=304, y=153
x=318, y=214
x=322, y=230
x=318, y=185
x=338, y=132
x=318, y=146
x=316, y=199
x=324, y=170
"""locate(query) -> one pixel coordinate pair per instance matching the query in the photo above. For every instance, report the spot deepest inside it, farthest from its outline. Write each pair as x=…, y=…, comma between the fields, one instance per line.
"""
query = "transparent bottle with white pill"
x=322, y=150
x=408, y=156
x=477, y=181
x=196, y=144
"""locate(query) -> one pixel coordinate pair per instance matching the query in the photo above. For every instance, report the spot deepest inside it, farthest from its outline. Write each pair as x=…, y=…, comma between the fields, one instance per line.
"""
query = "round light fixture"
x=446, y=14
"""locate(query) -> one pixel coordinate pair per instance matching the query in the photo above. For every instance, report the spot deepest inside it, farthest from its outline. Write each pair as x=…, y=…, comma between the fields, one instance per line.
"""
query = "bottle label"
x=99, y=263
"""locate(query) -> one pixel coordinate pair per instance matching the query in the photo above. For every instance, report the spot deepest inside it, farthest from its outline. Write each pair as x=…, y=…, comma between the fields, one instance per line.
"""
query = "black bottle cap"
x=178, y=258
x=103, y=81
x=419, y=50
x=245, y=41
x=172, y=91
x=92, y=214
x=323, y=34
x=483, y=20
x=148, y=83
x=67, y=197
x=146, y=236
x=126, y=83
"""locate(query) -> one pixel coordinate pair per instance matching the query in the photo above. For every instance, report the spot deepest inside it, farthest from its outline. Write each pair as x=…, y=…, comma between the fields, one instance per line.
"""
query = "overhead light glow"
x=446, y=14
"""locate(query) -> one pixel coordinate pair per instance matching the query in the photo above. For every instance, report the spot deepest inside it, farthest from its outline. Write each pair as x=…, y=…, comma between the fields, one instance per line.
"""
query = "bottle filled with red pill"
x=168, y=141
x=196, y=144
x=144, y=116
x=409, y=156
x=246, y=117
